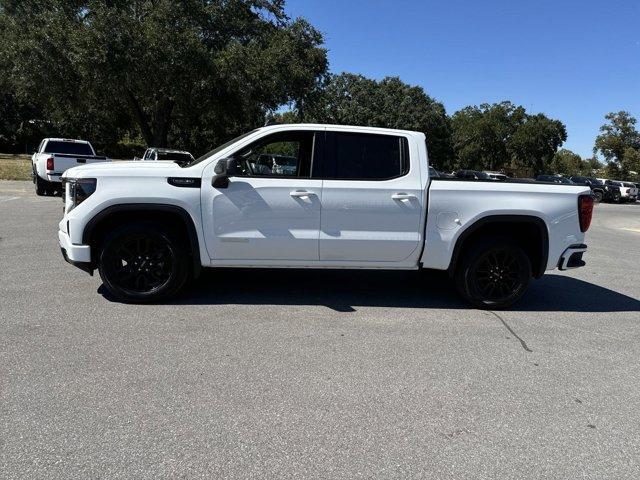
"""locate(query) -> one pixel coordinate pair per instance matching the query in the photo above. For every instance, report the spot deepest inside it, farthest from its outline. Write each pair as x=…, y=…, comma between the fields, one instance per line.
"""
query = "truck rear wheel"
x=143, y=263
x=41, y=186
x=494, y=274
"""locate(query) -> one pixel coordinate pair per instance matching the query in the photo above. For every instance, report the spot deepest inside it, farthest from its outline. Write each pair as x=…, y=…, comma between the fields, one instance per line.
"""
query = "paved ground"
x=268, y=374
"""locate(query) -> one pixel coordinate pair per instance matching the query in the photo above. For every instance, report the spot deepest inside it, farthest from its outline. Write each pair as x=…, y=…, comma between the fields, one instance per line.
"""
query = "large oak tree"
x=189, y=72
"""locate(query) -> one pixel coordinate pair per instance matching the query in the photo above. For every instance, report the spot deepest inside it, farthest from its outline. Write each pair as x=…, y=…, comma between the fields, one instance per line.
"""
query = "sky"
x=572, y=60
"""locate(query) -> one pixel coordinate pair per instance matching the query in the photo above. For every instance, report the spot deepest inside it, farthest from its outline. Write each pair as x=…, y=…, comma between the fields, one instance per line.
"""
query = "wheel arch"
x=172, y=215
x=536, y=245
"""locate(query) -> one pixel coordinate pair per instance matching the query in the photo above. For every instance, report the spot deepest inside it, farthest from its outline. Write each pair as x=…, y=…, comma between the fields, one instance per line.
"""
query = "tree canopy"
x=349, y=99
x=619, y=144
x=502, y=136
x=192, y=72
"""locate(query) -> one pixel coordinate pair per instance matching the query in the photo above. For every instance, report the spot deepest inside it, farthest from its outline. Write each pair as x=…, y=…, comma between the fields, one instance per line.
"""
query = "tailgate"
x=64, y=161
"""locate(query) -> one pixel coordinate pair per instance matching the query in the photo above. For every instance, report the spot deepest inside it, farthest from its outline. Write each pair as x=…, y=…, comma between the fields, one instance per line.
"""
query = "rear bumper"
x=77, y=255
x=572, y=257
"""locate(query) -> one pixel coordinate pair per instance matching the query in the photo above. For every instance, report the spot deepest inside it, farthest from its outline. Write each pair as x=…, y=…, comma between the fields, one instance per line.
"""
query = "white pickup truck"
x=355, y=197
x=54, y=157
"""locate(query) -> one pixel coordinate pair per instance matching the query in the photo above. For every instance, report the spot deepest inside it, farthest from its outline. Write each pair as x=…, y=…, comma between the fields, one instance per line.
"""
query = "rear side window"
x=71, y=148
x=358, y=156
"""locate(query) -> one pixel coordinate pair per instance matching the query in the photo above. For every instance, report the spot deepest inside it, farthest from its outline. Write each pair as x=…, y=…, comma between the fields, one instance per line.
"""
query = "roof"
x=66, y=140
x=168, y=150
x=320, y=126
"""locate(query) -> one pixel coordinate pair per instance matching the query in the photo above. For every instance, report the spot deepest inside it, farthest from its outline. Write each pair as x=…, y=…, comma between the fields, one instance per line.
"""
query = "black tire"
x=598, y=196
x=143, y=263
x=494, y=274
x=41, y=186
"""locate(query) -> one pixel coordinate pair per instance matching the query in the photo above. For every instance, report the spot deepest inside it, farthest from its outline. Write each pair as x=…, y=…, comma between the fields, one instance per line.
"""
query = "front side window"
x=360, y=156
x=279, y=155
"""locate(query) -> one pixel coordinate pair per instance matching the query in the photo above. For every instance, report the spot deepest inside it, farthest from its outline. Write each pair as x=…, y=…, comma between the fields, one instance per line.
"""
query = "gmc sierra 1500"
x=349, y=197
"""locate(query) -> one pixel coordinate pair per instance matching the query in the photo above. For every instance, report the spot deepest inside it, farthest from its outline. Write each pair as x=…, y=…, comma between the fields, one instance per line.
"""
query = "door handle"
x=402, y=196
x=301, y=193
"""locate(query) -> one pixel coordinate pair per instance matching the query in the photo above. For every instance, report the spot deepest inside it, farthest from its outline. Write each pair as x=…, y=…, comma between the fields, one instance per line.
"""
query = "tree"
x=480, y=134
x=535, y=142
x=631, y=163
x=618, y=139
x=191, y=73
x=566, y=162
x=502, y=136
x=349, y=99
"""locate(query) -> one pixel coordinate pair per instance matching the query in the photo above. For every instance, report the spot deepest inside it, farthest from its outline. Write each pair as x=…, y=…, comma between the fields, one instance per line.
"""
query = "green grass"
x=15, y=167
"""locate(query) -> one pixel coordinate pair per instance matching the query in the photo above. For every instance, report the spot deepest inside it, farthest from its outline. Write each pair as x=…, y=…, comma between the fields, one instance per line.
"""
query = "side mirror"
x=225, y=168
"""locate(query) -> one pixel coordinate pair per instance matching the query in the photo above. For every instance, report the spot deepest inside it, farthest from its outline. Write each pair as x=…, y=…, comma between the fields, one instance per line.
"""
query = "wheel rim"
x=141, y=264
x=598, y=196
x=497, y=276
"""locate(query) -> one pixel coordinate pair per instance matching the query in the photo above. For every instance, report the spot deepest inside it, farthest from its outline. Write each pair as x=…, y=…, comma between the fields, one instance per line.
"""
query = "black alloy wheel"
x=142, y=264
x=494, y=275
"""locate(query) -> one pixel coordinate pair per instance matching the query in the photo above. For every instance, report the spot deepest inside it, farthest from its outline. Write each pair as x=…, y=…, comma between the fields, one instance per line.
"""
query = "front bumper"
x=77, y=255
x=572, y=257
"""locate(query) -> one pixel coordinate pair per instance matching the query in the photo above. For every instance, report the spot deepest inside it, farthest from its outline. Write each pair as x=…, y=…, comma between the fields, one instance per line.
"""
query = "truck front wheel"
x=143, y=263
x=494, y=274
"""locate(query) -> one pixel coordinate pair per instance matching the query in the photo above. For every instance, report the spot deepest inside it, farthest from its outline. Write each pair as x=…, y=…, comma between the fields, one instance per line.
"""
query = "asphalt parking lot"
x=316, y=374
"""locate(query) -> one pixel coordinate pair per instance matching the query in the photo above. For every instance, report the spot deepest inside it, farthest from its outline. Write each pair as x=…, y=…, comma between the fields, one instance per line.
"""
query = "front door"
x=270, y=211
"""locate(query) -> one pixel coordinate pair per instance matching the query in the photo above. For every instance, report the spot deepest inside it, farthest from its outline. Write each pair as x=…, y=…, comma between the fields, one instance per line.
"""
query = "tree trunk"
x=155, y=130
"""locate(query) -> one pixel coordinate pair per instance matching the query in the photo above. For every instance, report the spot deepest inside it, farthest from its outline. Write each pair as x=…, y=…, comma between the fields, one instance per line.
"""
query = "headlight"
x=77, y=190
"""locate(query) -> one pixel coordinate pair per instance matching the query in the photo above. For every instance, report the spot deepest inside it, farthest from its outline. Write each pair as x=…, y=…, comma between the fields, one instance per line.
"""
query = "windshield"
x=220, y=148
x=72, y=148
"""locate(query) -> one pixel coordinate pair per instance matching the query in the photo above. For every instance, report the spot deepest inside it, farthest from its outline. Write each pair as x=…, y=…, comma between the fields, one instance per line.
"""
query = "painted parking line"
x=7, y=199
x=636, y=230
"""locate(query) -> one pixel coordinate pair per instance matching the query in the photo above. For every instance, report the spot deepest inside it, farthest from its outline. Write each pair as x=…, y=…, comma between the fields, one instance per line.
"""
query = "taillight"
x=50, y=165
x=585, y=211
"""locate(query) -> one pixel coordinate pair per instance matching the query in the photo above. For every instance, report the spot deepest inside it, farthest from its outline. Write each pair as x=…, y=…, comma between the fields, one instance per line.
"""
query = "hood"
x=124, y=169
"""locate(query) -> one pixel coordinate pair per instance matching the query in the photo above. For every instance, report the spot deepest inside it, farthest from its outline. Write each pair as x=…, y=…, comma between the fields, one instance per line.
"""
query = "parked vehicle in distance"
x=155, y=154
x=632, y=191
x=355, y=197
x=600, y=191
x=554, y=179
x=627, y=190
x=496, y=176
x=472, y=175
x=54, y=156
x=274, y=164
x=433, y=173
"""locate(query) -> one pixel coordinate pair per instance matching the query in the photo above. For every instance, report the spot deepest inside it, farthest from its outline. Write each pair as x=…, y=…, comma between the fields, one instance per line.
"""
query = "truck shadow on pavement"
x=342, y=290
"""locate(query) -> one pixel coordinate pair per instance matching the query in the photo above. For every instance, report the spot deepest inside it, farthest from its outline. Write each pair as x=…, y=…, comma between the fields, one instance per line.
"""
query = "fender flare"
x=481, y=222
x=155, y=207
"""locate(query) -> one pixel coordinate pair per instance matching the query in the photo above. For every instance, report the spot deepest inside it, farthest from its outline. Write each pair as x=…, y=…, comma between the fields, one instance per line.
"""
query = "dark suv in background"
x=601, y=192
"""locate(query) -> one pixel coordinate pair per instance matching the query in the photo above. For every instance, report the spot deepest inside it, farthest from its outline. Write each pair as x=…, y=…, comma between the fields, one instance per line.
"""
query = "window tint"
x=357, y=156
x=72, y=148
x=280, y=155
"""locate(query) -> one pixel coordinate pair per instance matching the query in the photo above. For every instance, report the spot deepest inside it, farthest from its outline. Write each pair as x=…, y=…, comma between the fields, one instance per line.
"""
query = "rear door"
x=372, y=200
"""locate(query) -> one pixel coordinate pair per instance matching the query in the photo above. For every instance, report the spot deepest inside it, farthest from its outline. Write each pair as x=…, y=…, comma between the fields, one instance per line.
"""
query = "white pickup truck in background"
x=351, y=197
x=54, y=157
